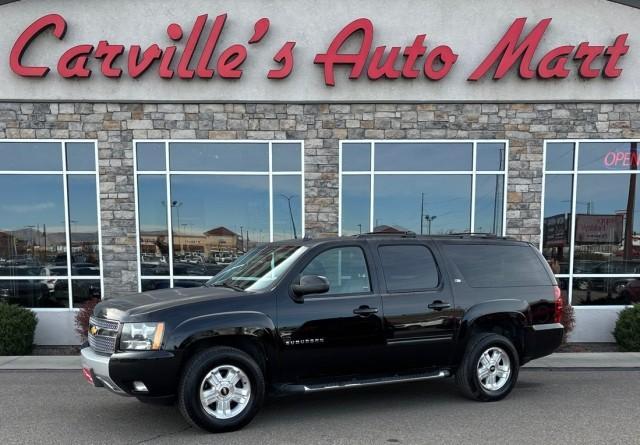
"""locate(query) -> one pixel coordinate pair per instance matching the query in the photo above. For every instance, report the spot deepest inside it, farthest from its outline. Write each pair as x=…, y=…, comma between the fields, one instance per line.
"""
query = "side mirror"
x=310, y=284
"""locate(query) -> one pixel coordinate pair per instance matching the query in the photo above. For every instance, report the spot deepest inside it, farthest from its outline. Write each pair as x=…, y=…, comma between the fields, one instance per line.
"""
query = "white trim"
x=167, y=173
x=473, y=173
x=575, y=173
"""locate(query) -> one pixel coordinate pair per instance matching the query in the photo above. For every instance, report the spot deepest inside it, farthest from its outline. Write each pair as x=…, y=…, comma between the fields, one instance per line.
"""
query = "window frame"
x=167, y=173
x=313, y=254
x=65, y=173
x=574, y=173
x=408, y=291
x=473, y=173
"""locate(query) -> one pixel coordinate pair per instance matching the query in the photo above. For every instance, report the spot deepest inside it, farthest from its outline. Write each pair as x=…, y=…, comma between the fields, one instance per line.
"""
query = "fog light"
x=139, y=387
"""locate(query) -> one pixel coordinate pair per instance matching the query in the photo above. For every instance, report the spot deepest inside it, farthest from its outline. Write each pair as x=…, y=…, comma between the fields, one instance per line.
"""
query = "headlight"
x=141, y=336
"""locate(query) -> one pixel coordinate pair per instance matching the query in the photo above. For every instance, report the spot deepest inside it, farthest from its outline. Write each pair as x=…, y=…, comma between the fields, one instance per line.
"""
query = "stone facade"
x=321, y=126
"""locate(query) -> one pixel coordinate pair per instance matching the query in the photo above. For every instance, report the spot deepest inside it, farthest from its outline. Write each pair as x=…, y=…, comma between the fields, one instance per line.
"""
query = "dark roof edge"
x=632, y=3
x=4, y=2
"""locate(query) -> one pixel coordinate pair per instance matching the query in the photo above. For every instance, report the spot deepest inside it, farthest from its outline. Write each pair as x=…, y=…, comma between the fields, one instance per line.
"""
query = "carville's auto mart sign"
x=318, y=50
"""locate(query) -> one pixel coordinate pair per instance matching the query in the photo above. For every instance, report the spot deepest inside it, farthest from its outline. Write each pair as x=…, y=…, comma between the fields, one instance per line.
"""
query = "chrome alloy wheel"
x=494, y=368
x=225, y=392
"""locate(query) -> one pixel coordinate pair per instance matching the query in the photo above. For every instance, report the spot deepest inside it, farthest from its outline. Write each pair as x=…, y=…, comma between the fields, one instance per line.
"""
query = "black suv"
x=317, y=315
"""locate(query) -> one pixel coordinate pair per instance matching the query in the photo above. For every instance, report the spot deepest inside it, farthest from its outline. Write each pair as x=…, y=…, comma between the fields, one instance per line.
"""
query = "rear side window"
x=408, y=267
x=484, y=265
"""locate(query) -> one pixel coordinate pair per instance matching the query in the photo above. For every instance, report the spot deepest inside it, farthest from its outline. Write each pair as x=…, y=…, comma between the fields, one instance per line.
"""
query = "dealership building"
x=148, y=144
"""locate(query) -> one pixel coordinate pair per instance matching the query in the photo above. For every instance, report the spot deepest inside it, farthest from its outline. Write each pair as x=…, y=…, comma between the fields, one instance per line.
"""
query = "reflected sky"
x=489, y=200
x=25, y=156
x=447, y=197
x=285, y=189
x=423, y=156
x=356, y=191
x=205, y=202
x=236, y=156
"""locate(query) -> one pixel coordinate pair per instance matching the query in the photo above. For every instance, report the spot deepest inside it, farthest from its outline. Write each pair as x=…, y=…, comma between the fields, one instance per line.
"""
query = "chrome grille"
x=102, y=335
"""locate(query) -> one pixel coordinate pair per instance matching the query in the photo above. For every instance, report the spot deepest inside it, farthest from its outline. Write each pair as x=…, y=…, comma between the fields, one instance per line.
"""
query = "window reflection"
x=559, y=156
x=608, y=156
x=556, y=243
x=152, y=219
x=286, y=157
x=215, y=219
x=219, y=156
x=32, y=225
x=490, y=157
x=150, y=156
x=81, y=156
x=83, y=225
x=356, y=198
x=489, y=203
x=286, y=207
x=423, y=156
x=427, y=204
x=607, y=238
x=356, y=156
x=31, y=156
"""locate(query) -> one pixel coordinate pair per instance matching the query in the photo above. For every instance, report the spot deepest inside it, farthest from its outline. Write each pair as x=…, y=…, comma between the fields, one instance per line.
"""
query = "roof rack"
x=406, y=234
x=477, y=235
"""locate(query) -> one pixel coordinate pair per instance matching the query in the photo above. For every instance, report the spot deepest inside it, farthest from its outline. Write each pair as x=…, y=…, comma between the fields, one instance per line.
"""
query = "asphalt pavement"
x=547, y=406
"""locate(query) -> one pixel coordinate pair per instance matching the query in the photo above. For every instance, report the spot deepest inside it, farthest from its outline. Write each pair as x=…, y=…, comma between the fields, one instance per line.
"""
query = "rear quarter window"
x=494, y=265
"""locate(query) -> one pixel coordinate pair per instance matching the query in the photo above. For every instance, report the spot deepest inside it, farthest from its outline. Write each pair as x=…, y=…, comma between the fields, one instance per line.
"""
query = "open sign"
x=618, y=159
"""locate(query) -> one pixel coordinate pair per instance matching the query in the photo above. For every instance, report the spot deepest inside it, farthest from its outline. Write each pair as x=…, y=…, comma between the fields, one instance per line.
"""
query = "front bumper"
x=159, y=371
x=96, y=369
x=541, y=340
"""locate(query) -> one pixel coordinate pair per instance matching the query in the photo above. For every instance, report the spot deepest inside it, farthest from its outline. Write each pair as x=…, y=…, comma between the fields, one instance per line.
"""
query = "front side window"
x=423, y=187
x=408, y=268
x=201, y=205
x=344, y=267
x=590, y=226
x=49, y=231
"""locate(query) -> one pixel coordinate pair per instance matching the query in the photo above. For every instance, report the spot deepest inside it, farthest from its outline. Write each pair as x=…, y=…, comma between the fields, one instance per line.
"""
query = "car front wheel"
x=489, y=368
x=221, y=389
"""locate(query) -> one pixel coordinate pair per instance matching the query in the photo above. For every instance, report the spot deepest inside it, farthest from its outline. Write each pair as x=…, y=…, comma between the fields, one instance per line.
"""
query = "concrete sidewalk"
x=564, y=360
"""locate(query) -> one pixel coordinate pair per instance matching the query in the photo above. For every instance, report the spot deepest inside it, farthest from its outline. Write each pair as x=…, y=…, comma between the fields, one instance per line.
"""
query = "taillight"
x=559, y=304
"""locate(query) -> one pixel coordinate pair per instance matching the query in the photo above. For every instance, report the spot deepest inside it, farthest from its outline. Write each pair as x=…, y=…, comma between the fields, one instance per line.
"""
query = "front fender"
x=241, y=323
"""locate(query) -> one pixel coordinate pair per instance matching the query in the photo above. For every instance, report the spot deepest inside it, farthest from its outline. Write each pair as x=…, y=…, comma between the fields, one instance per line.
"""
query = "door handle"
x=365, y=310
x=439, y=305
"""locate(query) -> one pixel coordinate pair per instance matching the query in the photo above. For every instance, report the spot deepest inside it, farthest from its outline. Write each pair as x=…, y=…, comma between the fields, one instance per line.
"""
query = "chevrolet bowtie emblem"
x=93, y=330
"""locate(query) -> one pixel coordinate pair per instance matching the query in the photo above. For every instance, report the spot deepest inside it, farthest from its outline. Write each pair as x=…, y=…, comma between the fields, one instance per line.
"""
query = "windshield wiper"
x=228, y=285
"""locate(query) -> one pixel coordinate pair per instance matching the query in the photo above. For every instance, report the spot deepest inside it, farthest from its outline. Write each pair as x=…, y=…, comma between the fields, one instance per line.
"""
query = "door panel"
x=337, y=333
x=419, y=319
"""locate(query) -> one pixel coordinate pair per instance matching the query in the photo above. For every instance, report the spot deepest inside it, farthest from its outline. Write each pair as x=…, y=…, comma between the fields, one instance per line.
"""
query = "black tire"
x=467, y=377
x=193, y=375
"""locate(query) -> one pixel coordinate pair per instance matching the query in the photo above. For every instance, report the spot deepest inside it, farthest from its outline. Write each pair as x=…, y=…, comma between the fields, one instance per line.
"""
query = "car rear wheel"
x=489, y=368
x=221, y=389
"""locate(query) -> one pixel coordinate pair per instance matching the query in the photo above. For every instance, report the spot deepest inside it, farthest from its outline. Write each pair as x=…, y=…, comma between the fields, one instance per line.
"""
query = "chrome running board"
x=349, y=384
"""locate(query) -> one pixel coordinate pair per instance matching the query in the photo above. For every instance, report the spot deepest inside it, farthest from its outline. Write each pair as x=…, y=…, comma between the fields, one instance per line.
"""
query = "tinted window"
x=559, y=156
x=356, y=157
x=490, y=157
x=219, y=156
x=356, y=204
x=34, y=156
x=345, y=268
x=286, y=157
x=81, y=156
x=484, y=265
x=150, y=155
x=423, y=156
x=408, y=268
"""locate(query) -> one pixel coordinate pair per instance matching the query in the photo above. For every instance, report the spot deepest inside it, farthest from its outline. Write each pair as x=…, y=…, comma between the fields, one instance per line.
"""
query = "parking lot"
x=572, y=407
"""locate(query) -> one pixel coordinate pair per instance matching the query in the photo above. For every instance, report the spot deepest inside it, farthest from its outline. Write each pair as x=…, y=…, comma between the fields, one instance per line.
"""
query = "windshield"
x=258, y=269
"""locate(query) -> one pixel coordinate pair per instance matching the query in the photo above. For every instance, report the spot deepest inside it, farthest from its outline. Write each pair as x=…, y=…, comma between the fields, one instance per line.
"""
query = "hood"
x=140, y=303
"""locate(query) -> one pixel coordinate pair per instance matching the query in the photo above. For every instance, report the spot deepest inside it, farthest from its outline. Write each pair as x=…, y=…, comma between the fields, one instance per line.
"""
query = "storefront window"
x=49, y=230
x=215, y=201
x=423, y=187
x=591, y=232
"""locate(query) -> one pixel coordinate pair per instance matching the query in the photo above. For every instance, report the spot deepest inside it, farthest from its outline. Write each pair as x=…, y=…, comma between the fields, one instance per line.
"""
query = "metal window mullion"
x=574, y=193
x=137, y=215
x=372, y=179
x=302, y=194
x=99, y=220
x=167, y=176
x=472, y=222
x=542, y=190
x=270, y=192
x=67, y=218
x=340, y=188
